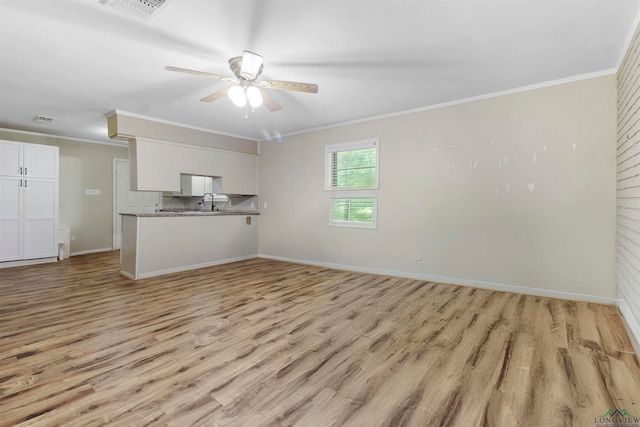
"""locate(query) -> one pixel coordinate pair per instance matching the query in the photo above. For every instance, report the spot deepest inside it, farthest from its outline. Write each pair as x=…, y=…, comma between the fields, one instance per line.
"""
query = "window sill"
x=363, y=225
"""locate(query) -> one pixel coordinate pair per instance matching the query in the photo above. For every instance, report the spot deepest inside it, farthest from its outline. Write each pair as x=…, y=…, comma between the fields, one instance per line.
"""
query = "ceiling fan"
x=247, y=69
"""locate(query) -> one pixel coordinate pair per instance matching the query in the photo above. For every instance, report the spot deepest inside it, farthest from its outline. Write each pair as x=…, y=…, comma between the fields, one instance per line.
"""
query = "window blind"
x=353, y=209
x=354, y=169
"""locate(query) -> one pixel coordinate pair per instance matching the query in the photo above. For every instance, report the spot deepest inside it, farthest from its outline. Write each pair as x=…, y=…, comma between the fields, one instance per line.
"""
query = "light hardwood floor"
x=263, y=342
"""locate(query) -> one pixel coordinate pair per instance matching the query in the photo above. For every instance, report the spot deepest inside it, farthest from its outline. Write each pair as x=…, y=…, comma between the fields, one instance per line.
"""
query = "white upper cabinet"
x=40, y=161
x=194, y=185
x=10, y=158
x=240, y=175
x=157, y=165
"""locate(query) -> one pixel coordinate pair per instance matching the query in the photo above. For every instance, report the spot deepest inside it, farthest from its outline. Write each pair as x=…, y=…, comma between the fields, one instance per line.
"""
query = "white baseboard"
x=24, y=262
x=90, y=251
x=187, y=267
x=633, y=324
x=127, y=275
x=455, y=281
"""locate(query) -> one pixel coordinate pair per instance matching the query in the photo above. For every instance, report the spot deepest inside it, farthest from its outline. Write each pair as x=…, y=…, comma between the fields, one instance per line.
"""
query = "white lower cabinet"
x=28, y=201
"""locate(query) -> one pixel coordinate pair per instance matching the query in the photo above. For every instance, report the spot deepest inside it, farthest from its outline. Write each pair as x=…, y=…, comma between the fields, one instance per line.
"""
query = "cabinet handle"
x=20, y=170
x=25, y=171
x=20, y=183
x=25, y=183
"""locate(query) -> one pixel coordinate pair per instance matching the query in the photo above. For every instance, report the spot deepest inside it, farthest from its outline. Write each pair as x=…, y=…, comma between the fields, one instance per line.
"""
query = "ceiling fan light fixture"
x=254, y=96
x=251, y=65
x=237, y=96
x=248, y=90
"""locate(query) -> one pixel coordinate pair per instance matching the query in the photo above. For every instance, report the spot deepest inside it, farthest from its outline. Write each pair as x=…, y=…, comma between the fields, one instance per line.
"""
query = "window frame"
x=352, y=192
x=349, y=146
x=352, y=195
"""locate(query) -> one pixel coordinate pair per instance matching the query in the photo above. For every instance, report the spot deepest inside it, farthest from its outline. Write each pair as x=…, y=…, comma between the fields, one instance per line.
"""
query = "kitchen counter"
x=192, y=213
x=168, y=242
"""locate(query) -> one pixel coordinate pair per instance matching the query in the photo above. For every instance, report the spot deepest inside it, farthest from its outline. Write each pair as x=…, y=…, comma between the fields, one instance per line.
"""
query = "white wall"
x=628, y=219
x=511, y=190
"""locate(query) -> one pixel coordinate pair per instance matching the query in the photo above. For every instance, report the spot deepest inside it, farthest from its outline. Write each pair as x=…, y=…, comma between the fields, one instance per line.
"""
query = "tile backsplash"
x=233, y=203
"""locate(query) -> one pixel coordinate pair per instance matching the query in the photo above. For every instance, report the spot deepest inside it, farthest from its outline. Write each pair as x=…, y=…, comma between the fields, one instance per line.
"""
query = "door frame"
x=116, y=243
x=114, y=226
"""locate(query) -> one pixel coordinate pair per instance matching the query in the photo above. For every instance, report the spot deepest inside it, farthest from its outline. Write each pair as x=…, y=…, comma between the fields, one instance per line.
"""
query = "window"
x=352, y=166
x=352, y=177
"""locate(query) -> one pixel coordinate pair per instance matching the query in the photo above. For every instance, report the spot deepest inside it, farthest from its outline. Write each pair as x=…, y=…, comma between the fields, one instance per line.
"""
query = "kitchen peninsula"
x=168, y=242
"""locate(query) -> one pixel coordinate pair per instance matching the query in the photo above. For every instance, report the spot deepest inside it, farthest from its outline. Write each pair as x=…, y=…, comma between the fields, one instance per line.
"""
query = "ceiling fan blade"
x=215, y=96
x=269, y=102
x=251, y=65
x=199, y=73
x=282, y=85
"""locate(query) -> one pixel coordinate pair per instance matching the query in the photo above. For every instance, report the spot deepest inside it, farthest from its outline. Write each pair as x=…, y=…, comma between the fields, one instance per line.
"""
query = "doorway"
x=127, y=201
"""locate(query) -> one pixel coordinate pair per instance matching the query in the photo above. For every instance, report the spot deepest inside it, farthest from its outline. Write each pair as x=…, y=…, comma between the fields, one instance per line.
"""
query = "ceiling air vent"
x=141, y=9
x=44, y=119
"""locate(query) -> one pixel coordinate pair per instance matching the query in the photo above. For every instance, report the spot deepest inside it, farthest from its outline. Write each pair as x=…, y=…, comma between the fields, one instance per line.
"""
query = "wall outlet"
x=265, y=205
x=73, y=237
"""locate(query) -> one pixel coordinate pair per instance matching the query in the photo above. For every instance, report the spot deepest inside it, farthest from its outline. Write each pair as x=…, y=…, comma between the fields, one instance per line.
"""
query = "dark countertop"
x=192, y=213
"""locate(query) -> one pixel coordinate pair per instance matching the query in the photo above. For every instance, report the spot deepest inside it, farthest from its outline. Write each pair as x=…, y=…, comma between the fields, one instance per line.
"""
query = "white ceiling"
x=77, y=60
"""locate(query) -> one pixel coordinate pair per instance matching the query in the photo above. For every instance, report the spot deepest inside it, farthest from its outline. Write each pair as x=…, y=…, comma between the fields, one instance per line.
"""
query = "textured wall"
x=628, y=181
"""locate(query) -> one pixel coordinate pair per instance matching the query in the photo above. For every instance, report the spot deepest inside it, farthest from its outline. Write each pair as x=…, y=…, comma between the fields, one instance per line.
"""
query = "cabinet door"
x=185, y=186
x=40, y=161
x=192, y=185
x=10, y=158
x=11, y=247
x=40, y=218
x=240, y=175
x=199, y=185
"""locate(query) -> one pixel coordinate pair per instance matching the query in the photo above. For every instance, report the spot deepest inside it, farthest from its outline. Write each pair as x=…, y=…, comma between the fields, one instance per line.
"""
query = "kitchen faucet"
x=204, y=201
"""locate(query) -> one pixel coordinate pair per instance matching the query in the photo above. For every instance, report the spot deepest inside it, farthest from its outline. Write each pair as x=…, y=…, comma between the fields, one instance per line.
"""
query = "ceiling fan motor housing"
x=247, y=67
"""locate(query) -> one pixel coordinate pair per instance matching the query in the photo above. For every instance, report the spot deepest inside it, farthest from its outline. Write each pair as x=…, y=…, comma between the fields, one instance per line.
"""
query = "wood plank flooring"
x=268, y=343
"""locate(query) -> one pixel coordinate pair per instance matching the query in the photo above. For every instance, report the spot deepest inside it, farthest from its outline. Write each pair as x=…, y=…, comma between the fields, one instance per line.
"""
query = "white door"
x=40, y=217
x=40, y=193
x=127, y=201
x=10, y=218
x=10, y=201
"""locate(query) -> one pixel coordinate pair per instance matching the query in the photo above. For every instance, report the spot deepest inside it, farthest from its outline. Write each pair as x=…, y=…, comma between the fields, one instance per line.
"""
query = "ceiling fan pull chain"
x=246, y=111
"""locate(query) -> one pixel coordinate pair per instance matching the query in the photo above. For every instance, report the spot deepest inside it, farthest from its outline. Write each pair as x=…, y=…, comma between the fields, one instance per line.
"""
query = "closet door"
x=11, y=230
x=40, y=218
x=40, y=193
